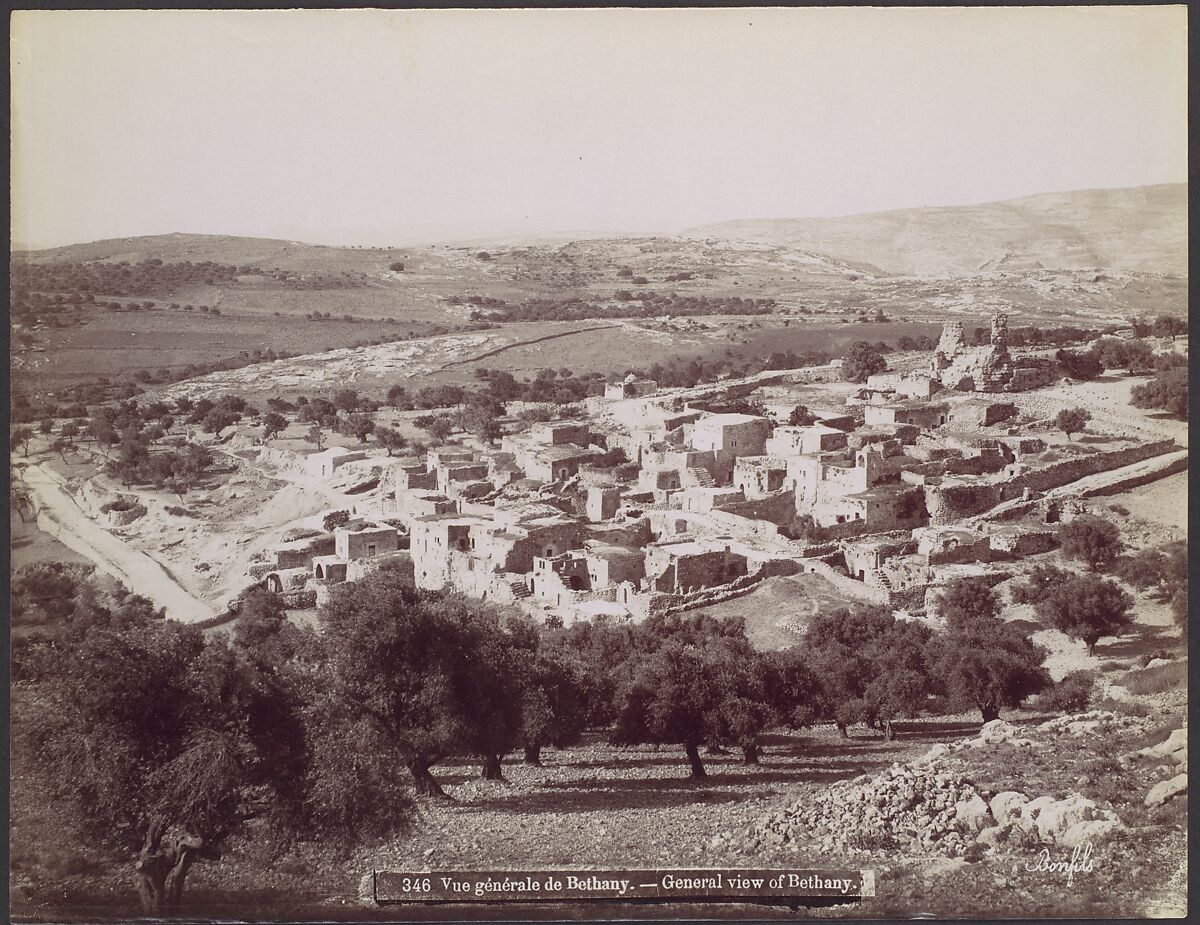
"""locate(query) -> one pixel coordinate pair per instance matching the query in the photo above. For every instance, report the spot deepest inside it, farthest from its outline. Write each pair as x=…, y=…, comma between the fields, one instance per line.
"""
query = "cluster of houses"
x=653, y=501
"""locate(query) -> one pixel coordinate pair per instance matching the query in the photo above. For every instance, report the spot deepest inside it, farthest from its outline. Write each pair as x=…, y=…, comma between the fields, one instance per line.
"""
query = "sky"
x=396, y=128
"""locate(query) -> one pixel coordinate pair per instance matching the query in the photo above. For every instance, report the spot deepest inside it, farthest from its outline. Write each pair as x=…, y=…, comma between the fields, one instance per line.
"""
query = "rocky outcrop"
x=1173, y=753
x=1165, y=790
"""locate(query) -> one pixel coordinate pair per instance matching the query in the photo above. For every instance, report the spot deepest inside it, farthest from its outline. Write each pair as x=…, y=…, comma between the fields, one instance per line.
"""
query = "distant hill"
x=197, y=248
x=1140, y=228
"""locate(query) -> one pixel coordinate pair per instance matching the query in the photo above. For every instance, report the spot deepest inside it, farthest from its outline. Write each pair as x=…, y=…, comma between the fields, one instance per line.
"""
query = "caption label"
x=696, y=884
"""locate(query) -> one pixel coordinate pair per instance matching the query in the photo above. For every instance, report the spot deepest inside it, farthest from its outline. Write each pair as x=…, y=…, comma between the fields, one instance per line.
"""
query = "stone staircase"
x=520, y=589
x=701, y=478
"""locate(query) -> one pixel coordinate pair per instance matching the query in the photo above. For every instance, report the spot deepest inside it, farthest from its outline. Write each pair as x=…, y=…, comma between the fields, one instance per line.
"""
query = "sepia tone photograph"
x=598, y=464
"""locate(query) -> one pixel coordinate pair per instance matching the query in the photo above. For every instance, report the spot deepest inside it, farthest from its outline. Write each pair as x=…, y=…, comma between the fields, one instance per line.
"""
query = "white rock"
x=1031, y=810
x=1054, y=820
x=1166, y=790
x=991, y=836
x=1174, y=748
x=938, y=751
x=996, y=730
x=1157, y=662
x=1092, y=830
x=1006, y=807
x=972, y=812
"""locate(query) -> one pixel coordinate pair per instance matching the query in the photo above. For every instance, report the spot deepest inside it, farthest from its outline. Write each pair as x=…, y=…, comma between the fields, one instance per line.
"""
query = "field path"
x=526, y=343
x=61, y=517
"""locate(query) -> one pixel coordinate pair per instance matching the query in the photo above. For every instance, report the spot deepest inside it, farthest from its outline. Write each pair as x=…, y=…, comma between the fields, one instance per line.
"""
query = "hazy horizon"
x=567, y=232
x=407, y=128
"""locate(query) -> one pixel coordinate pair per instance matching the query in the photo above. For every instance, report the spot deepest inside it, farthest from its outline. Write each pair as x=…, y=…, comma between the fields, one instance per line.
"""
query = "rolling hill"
x=1136, y=229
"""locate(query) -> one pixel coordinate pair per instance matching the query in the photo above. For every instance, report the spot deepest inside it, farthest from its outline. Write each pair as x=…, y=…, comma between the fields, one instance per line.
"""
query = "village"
x=881, y=492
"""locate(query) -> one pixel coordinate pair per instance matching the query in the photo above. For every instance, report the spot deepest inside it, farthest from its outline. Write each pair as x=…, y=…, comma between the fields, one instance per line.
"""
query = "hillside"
x=266, y=253
x=1137, y=229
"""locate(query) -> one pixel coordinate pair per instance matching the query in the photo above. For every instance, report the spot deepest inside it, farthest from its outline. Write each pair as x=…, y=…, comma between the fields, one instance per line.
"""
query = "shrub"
x=1072, y=420
x=1144, y=570
x=1124, y=707
x=1081, y=364
x=862, y=361
x=1070, y=695
x=1092, y=539
x=335, y=519
x=1168, y=391
x=1085, y=607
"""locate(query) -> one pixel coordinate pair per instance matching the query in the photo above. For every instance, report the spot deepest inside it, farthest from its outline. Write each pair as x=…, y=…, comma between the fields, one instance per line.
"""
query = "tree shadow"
x=1028, y=627
x=607, y=794
x=1143, y=642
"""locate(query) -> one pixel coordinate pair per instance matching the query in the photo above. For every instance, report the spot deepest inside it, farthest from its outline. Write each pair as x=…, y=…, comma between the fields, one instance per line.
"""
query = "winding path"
x=61, y=517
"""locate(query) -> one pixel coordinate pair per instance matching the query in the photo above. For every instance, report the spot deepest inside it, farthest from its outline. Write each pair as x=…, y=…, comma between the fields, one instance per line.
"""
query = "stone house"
x=602, y=502
x=705, y=498
x=815, y=438
x=756, y=476
x=945, y=544
x=324, y=464
x=455, y=479
x=820, y=479
x=365, y=540
x=865, y=555
x=465, y=551
x=728, y=436
x=973, y=413
x=555, y=463
x=582, y=574
x=563, y=433
x=885, y=507
x=922, y=414
x=630, y=387
x=680, y=567
x=403, y=474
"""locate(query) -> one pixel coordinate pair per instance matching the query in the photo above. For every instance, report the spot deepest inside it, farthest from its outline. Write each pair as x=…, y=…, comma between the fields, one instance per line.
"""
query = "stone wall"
x=830, y=372
x=1071, y=470
x=122, y=518
x=778, y=508
x=847, y=585
x=948, y=503
x=283, y=459
x=1142, y=478
x=648, y=604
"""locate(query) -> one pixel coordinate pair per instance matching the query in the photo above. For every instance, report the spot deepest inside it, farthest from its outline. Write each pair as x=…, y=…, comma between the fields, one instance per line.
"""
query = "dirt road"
x=60, y=517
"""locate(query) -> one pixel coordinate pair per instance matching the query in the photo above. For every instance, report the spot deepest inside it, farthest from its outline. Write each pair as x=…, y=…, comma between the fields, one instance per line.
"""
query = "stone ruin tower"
x=989, y=368
x=973, y=369
x=999, y=335
x=949, y=346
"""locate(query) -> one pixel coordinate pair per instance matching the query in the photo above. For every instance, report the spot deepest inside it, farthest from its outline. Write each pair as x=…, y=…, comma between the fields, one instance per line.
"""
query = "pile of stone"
x=1094, y=721
x=929, y=807
x=924, y=808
